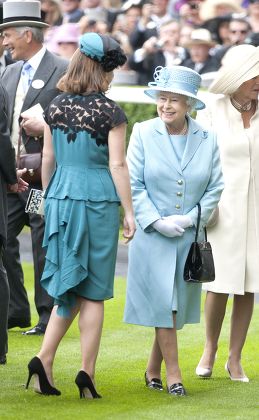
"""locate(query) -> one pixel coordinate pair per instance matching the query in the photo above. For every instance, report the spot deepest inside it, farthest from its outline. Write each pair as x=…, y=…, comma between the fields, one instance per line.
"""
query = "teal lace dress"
x=82, y=205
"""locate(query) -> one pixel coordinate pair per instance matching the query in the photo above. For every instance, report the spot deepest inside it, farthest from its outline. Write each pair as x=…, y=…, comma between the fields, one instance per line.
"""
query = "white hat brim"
x=152, y=93
x=17, y=23
x=239, y=64
x=190, y=43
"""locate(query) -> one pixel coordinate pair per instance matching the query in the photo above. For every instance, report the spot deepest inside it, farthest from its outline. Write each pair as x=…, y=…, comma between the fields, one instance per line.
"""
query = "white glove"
x=168, y=228
x=181, y=220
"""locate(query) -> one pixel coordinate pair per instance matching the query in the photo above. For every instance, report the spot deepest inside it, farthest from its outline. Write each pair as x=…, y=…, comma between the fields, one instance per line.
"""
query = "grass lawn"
x=120, y=369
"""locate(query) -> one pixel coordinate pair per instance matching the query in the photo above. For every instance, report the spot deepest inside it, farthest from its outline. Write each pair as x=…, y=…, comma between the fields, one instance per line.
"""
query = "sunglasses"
x=241, y=31
x=253, y=1
x=193, y=6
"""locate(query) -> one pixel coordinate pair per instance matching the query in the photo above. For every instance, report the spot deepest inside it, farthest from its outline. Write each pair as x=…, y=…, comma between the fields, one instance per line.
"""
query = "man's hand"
x=21, y=185
x=33, y=126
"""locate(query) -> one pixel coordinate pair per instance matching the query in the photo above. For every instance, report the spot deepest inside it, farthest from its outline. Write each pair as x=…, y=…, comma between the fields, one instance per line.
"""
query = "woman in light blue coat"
x=174, y=164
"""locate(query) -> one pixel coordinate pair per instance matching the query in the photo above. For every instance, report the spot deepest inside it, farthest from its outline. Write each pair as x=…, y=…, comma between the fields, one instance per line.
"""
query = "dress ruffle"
x=67, y=242
x=82, y=183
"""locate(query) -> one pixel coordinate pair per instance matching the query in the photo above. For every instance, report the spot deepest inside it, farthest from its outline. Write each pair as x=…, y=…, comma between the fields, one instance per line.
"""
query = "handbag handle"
x=19, y=146
x=18, y=157
x=198, y=224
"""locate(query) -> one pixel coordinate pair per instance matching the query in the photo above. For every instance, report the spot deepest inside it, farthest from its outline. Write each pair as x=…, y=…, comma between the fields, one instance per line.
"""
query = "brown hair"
x=83, y=75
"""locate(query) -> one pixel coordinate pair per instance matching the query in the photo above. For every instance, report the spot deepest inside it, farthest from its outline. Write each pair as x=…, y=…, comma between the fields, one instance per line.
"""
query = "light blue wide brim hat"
x=176, y=79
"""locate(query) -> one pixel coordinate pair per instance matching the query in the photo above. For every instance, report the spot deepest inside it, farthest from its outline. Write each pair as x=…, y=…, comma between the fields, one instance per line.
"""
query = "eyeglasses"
x=240, y=31
x=253, y=1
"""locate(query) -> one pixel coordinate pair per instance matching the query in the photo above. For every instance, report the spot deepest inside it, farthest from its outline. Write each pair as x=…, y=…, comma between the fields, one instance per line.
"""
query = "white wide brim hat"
x=200, y=36
x=176, y=79
x=22, y=13
x=239, y=64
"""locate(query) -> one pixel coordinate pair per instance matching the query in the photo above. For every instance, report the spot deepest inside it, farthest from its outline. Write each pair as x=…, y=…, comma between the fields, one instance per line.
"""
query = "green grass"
x=120, y=369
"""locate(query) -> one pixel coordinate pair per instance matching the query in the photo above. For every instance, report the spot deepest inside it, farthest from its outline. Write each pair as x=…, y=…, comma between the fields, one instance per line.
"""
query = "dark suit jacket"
x=146, y=68
x=49, y=71
x=137, y=37
x=211, y=64
x=7, y=163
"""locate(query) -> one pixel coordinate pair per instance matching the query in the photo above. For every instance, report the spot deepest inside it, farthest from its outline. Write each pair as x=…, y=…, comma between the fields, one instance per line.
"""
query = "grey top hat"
x=22, y=13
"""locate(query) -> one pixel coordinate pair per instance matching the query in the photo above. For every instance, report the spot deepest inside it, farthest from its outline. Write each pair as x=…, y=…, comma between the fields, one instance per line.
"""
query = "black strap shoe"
x=177, y=389
x=153, y=383
x=37, y=330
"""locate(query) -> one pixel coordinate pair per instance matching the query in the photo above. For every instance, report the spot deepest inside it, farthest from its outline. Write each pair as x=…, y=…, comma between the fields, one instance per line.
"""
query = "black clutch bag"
x=199, y=265
x=35, y=202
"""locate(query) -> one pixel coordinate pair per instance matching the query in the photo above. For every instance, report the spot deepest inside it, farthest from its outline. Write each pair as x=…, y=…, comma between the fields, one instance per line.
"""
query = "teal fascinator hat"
x=103, y=49
x=176, y=79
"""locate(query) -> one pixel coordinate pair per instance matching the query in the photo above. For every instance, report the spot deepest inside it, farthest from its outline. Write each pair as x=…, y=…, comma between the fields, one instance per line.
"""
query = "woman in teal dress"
x=86, y=178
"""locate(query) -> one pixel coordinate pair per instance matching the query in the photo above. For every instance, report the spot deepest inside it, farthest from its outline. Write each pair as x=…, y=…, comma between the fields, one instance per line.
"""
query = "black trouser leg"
x=4, y=304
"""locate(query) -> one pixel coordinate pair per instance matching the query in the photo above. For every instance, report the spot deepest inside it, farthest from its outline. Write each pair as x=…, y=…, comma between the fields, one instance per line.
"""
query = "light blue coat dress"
x=162, y=186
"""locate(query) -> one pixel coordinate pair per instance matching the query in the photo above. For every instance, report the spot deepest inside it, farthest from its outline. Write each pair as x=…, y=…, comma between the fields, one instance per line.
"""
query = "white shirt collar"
x=36, y=59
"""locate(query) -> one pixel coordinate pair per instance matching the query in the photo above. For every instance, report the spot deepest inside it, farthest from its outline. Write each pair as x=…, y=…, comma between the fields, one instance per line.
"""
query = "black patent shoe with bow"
x=177, y=390
x=153, y=383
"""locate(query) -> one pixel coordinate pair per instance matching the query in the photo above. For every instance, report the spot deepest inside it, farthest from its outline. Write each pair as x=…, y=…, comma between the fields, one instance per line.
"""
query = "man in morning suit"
x=30, y=81
x=5, y=57
x=8, y=182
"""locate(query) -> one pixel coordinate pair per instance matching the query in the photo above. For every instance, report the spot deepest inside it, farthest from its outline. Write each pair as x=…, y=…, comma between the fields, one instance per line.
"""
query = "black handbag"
x=199, y=265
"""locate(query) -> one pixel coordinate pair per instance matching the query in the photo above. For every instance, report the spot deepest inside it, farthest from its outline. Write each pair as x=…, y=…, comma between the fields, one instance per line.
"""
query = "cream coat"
x=235, y=237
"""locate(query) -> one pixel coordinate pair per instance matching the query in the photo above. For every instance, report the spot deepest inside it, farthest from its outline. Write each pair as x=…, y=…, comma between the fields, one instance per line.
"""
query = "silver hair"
x=37, y=33
x=191, y=102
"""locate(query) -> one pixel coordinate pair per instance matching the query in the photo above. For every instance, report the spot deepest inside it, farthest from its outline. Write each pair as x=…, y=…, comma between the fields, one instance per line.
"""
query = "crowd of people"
x=153, y=30
x=57, y=62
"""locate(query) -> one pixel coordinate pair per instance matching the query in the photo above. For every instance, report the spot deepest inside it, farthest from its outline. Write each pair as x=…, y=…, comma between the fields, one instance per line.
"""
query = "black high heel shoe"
x=153, y=383
x=84, y=383
x=36, y=368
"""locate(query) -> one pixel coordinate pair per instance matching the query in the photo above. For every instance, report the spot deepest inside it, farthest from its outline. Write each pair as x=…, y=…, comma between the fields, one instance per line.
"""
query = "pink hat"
x=68, y=32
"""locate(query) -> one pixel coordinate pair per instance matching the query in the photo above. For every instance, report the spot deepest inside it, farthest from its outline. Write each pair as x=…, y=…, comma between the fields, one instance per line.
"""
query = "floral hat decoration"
x=103, y=49
x=176, y=79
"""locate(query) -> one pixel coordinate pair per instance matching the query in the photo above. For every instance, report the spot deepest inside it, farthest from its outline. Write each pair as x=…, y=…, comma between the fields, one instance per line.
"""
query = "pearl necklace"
x=181, y=132
x=241, y=108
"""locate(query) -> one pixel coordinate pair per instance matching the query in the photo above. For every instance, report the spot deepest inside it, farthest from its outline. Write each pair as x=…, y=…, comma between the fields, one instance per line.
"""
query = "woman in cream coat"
x=234, y=236
x=173, y=164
